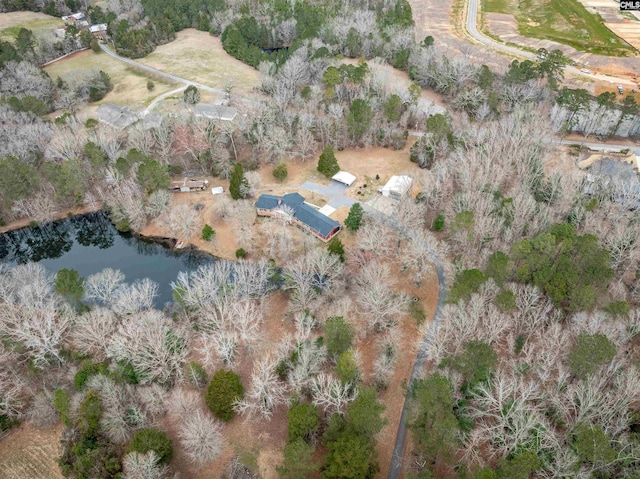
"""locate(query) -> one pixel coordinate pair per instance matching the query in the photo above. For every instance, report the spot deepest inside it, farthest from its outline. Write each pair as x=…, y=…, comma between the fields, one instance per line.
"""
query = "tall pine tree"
x=238, y=184
x=327, y=164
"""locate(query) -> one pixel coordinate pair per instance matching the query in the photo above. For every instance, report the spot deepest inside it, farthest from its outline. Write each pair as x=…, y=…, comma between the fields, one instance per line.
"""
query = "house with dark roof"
x=618, y=178
x=116, y=116
x=293, y=206
x=215, y=112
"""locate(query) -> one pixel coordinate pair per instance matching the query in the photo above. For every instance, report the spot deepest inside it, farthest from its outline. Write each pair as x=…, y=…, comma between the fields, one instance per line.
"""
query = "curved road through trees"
x=418, y=366
x=472, y=29
x=421, y=358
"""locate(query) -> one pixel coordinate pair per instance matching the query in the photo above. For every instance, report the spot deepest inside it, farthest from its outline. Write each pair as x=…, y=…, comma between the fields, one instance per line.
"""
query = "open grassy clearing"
x=562, y=21
x=129, y=85
x=11, y=23
x=200, y=57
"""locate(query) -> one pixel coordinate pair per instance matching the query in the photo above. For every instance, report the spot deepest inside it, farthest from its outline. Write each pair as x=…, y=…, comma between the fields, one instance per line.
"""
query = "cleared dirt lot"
x=129, y=85
x=28, y=453
x=11, y=22
x=200, y=57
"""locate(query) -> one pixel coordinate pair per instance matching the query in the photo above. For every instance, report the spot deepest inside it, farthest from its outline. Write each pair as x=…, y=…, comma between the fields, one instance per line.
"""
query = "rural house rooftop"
x=304, y=215
x=396, y=186
x=215, y=112
x=344, y=177
x=116, y=116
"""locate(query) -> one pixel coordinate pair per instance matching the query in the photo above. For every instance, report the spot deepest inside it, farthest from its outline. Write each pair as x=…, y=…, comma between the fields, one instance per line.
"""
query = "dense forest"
x=534, y=368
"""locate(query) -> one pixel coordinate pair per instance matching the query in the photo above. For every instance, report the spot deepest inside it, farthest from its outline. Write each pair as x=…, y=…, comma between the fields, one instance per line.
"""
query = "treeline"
x=55, y=8
x=26, y=88
x=268, y=31
x=530, y=370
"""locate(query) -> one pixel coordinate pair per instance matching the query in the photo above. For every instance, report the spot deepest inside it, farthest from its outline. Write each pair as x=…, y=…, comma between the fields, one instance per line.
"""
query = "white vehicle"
x=585, y=70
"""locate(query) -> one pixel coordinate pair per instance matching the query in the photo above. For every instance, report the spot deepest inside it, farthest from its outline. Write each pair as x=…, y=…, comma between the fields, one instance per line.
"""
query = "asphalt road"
x=472, y=29
x=418, y=366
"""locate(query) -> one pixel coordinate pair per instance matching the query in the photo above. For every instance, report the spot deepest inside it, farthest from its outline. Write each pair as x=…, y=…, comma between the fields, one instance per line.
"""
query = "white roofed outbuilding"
x=396, y=186
x=344, y=177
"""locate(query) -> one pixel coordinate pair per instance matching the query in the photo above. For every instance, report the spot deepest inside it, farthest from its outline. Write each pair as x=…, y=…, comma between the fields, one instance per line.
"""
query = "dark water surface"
x=90, y=243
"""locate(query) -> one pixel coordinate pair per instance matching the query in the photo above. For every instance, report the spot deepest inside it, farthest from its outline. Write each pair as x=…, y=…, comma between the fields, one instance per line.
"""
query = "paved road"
x=582, y=142
x=159, y=98
x=421, y=358
x=472, y=28
x=170, y=76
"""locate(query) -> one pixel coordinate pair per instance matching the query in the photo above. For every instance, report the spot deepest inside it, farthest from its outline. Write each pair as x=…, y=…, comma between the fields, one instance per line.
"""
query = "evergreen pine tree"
x=335, y=247
x=238, y=183
x=327, y=164
x=355, y=217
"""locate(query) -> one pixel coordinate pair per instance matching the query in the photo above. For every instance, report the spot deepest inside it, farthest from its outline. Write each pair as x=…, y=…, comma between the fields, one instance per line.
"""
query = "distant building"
x=99, y=30
x=396, y=187
x=215, y=112
x=118, y=117
x=188, y=185
x=293, y=206
x=618, y=179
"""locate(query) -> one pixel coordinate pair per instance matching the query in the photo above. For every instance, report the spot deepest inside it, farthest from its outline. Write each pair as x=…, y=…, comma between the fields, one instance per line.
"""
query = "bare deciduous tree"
x=92, y=331
x=152, y=344
x=181, y=221
x=379, y=305
x=201, y=437
x=331, y=394
x=102, y=286
x=157, y=203
x=143, y=466
x=135, y=297
x=266, y=392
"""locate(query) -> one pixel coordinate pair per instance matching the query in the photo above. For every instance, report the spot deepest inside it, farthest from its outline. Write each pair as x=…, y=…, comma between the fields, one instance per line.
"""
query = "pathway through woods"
x=421, y=358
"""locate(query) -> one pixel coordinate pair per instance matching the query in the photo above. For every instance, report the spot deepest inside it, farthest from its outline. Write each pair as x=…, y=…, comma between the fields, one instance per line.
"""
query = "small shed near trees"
x=344, y=177
x=396, y=186
x=188, y=185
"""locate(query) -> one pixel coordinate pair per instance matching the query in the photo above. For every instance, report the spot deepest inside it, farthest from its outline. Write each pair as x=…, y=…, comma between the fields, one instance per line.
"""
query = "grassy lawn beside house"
x=562, y=21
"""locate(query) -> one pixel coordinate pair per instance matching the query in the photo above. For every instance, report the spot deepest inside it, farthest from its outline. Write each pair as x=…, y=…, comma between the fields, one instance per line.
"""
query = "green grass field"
x=562, y=21
x=11, y=23
x=129, y=85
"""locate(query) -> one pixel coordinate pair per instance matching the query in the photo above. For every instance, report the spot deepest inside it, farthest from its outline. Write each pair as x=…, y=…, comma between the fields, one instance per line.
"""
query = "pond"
x=90, y=243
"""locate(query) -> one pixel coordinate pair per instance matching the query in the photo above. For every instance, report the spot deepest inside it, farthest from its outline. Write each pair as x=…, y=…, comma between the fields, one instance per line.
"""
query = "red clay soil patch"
x=29, y=453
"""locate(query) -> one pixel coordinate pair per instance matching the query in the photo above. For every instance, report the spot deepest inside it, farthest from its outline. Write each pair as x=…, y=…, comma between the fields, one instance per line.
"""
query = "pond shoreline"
x=90, y=243
x=165, y=241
